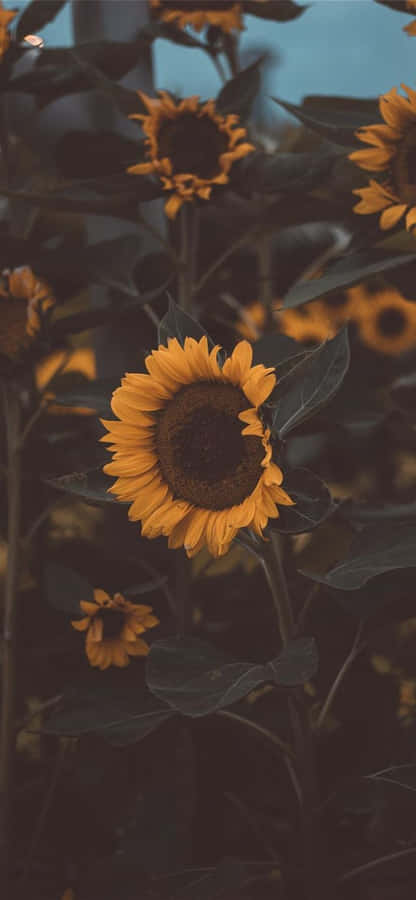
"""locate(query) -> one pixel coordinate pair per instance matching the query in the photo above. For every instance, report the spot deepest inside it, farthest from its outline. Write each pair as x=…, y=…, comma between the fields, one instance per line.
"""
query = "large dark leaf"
x=277, y=350
x=88, y=200
x=37, y=14
x=93, y=395
x=310, y=384
x=345, y=272
x=238, y=95
x=334, y=118
x=178, y=324
x=117, y=710
x=91, y=486
x=168, y=32
x=279, y=10
x=283, y=172
x=197, y=679
x=375, y=550
x=398, y=5
x=313, y=503
x=65, y=589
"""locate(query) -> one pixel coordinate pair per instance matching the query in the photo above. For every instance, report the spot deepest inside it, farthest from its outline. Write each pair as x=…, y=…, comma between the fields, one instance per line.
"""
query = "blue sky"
x=349, y=47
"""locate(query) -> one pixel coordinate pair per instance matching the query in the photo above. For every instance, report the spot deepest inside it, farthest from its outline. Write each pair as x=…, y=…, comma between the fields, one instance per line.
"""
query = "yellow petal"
x=391, y=216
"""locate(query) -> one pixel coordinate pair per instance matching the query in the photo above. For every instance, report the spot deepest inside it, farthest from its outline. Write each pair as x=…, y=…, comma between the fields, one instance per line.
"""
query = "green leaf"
x=238, y=94
x=279, y=10
x=375, y=550
x=211, y=884
x=313, y=503
x=65, y=589
x=196, y=679
x=276, y=350
x=116, y=709
x=178, y=324
x=91, y=486
x=311, y=384
x=346, y=272
x=93, y=395
x=37, y=14
x=283, y=172
x=122, y=204
x=335, y=118
x=397, y=5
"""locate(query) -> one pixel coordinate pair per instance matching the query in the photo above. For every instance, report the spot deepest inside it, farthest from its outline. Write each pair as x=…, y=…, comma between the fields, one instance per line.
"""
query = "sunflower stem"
x=12, y=413
x=316, y=876
x=187, y=263
x=264, y=257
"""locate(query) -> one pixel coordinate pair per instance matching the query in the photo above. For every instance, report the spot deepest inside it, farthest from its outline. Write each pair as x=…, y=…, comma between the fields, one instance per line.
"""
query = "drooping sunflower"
x=6, y=16
x=112, y=625
x=392, y=150
x=219, y=13
x=190, y=147
x=386, y=321
x=24, y=301
x=191, y=452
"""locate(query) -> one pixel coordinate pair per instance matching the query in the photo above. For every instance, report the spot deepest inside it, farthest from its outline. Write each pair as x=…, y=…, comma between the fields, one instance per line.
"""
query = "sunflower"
x=191, y=452
x=392, y=150
x=411, y=28
x=80, y=363
x=190, y=147
x=386, y=321
x=218, y=13
x=309, y=324
x=24, y=300
x=113, y=625
x=6, y=16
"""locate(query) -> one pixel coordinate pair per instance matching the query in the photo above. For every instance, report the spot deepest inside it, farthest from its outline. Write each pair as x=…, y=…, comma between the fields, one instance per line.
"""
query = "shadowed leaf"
x=91, y=485
x=37, y=14
x=334, y=118
x=238, y=94
x=178, y=324
x=279, y=10
x=313, y=503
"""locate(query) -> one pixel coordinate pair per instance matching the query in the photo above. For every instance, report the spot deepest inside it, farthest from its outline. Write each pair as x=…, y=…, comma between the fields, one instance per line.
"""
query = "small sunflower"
x=228, y=16
x=191, y=452
x=392, y=150
x=113, y=625
x=190, y=147
x=386, y=321
x=309, y=324
x=6, y=16
x=24, y=300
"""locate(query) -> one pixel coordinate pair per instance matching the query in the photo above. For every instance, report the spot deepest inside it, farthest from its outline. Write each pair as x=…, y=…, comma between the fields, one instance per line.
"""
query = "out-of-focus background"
x=348, y=47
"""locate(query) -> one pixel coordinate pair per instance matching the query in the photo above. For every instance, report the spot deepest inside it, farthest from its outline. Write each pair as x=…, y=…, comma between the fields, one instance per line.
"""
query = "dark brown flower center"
x=202, y=453
x=404, y=168
x=113, y=621
x=193, y=144
x=391, y=322
x=13, y=319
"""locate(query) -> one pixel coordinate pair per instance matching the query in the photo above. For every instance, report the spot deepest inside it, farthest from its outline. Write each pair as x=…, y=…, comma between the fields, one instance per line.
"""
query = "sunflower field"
x=207, y=455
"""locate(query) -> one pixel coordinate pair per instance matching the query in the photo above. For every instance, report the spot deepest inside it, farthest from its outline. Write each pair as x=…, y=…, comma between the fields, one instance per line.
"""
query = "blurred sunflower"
x=392, y=150
x=309, y=324
x=191, y=452
x=24, y=301
x=386, y=321
x=113, y=625
x=80, y=362
x=6, y=16
x=218, y=13
x=411, y=28
x=189, y=146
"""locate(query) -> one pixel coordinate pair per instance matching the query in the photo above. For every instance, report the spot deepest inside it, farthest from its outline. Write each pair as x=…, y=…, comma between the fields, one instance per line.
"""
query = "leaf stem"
x=356, y=649
x=12, y=413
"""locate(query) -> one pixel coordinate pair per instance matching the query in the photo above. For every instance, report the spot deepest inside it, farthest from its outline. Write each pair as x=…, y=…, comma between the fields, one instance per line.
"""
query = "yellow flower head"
x=191, y=452
x=24, y=300
x=392, y=150
x=386, y=321
x=222, y=14
x=6, y=16
x=189, y=146
x=309, y=324
x=112, y=625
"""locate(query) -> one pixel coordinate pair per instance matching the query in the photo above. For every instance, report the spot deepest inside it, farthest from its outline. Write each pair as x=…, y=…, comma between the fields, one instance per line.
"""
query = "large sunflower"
x=219, y=13
x=113, y=625
x=386, y=321
x=191, y=452
x=190, y=147
x=392, y=150
x=24, y=301
x=6, y=16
